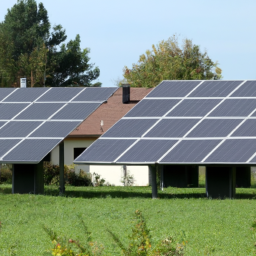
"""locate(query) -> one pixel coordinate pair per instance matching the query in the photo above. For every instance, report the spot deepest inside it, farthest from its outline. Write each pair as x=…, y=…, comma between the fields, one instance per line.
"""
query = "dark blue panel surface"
x=6, y=145
x=60, y=94
x=31, y=150
x=248, y=128
x=152, y=108
x=8, y=111
x=18, y=129
x=235, y=107
x=76, y=111
x=26, y=94
x=55, y=129
x=130, y=128
x=233, y=151
x=172, y=128
x=95, y=94
x=214, y=128
x=4, y=92
x=178, y=88
x=104, y=150
x=194, y=107
x=248, y=89
x=190, y=151
x=215, y=88
x=147, y=151
x=40, y=111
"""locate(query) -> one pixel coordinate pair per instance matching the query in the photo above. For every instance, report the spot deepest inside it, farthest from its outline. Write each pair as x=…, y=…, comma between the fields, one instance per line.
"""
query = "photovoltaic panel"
x=147, y=151
x=152, y=108
x=130, y=128
x=215, y=88
x=55, y=129
x=194, y=107
x=248, y=128
x=8, y=111
x=18, y=129
x=215, y=128
x=190, y=151
x=235, y=107
x=21, y=114
x=6, y=145
x=178, y=88
x=5, y=92
x=60, y=94
x=26, y=95
x=172, y=128
x=233, y=151
x=76, y=111
x=31, y=150
x=39, y=111
x=248, y=89
x=105, y=150
x=95, y=94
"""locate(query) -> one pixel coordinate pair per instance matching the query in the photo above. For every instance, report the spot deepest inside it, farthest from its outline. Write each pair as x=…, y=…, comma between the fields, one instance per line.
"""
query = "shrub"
x=140, y=241
x=97, y=180
x=6, y=174
x=128, y=179
x=52, y=175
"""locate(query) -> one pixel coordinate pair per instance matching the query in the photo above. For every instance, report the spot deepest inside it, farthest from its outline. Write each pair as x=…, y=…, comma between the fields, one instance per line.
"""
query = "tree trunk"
x=32, y=79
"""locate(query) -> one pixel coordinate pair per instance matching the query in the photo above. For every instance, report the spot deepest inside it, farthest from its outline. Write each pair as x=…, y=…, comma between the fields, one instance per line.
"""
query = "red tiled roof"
x=109, y=112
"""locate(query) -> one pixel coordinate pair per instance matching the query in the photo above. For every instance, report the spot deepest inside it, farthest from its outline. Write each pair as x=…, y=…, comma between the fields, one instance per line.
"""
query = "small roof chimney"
x=126, y=93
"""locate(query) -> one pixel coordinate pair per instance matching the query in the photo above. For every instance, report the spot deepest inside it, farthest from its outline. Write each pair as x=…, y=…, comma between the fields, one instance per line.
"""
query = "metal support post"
x=61, y=164
x=153, y=181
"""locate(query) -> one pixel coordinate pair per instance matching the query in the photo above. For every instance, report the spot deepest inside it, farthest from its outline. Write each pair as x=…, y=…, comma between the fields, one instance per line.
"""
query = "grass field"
x=211, y=227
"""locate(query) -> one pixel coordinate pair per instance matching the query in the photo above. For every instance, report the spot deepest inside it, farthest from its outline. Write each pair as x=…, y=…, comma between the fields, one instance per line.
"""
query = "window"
x=78, y=151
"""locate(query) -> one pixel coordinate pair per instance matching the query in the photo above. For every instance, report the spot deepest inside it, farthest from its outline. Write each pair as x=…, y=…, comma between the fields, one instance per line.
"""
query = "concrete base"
x=180, y=176
x=220, y=182
x=28, y=178
x=243, y=177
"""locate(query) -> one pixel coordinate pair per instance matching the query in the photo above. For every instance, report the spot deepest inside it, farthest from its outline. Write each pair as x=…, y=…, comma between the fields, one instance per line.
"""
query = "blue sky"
x=118, y=32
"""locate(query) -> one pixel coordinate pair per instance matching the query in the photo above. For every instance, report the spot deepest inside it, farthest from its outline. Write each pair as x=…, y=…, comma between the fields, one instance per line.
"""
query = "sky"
x=118, y=32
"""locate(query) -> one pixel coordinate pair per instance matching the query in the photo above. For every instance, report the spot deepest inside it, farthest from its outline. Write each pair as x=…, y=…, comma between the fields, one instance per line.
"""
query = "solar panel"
x=40, y=111
x=95, y=94
x=146, y=151
x=130, y=128
x=178, y=88
x=27, y=129
x=105, y=150
x=233, y=151
x=196, y=107
x=248, y=89
x=152, y=108
x=235, y=107
x=55, y=129
x=214, y=128
x=76, y=111
x=60, y=94
x=18, y=129
x=205, y=122
x=5, y=92
x=26, y=94
x=172, y=128
x=215, y=88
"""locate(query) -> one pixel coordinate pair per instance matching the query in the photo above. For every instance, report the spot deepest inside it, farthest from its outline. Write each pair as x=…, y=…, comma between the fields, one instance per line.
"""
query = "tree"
x=29, y=49
x=169, y=61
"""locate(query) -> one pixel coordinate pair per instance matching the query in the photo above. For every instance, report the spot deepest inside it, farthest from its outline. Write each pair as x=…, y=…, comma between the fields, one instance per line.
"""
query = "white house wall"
x=114, y=173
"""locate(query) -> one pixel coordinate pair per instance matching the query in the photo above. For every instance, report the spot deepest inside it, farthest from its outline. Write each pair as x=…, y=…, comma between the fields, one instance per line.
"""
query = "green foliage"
x=140, y=241
x=29, y=48
x=98, y=181
x=128, y=179
x=5, y=174
x=169, y=61
x=52, y=175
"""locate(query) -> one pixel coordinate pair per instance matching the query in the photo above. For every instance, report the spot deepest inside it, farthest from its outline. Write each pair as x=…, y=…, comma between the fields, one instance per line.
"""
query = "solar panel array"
x=184, y=122
x=35, y=120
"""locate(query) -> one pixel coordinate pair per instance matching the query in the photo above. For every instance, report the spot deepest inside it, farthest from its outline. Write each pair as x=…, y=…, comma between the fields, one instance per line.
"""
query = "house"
x=97, y=124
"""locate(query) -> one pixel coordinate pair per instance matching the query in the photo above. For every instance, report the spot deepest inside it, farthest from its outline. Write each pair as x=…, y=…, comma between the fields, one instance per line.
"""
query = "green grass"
x=212, y=227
